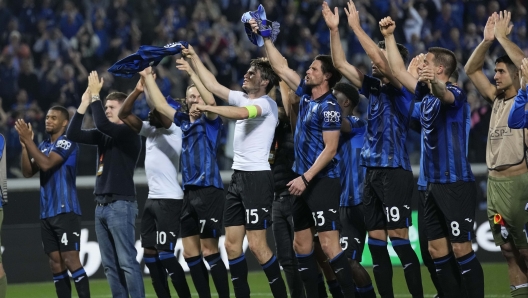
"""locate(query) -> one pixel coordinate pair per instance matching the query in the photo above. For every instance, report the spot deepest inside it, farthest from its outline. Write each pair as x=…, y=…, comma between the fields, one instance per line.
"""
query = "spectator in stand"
x=46, y=13
x=5, y=16
x=8, y=77
x=453, y=42
x=27, y=78
x=444, y=22
x=27, y=17
x=53, y=43
x=86, y=43
x=17, y=49
x=51, y=29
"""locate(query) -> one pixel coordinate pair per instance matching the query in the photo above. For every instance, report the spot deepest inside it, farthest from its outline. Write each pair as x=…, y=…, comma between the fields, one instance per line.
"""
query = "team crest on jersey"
x=332, y=116
x=63, y=144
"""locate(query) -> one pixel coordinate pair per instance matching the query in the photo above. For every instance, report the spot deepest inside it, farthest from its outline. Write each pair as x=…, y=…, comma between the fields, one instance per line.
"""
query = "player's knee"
x=209, y=250
x=437, y=252
x=55, y=266
x=507, y=252
x=150, y=251
x=399, y=233
x=232, y=248
x=461, y=249
x=330, y=249
x=300, y=247
x=257, y=247
x=71, y=260
x=189, y=254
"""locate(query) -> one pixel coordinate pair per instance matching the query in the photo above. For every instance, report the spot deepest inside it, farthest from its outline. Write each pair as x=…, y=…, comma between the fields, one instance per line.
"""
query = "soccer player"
x=505, y=150
x=351, y=214
x=450, y=199
x=60, y=213
x=118, y=148
x=389, y=180
x=203, y=202
x=281, y=166
x=317, y=187
x=160, y=223
x=413, y=68
x=283, y=228
x=250, y=195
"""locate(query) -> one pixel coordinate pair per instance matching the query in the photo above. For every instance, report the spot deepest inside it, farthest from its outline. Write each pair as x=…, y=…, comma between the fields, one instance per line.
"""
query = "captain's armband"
x=252, y=110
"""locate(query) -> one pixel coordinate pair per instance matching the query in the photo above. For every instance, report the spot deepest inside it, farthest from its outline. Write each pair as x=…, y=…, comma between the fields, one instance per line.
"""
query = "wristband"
x=95, y=97
x=252, y=110
x=304, y=180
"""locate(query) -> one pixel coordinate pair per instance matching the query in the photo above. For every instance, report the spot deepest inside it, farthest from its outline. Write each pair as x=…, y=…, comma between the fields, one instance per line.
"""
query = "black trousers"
x=283, y=234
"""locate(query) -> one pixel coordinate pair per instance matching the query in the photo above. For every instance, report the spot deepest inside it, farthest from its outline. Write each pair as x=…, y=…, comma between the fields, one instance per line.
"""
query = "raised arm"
x=206, y=76
x=155, y=95
x=277, y=61
x=502, y=30
x=125, y=112
x=397, y=66
x=415, y=65
x=75, y=132
x=475, y=63
x=207, y=96
x=29, y=168
x=438, y=88
x=338, y=55
x=371, y=48
x=101, y=122
x=280, y=66
x=285, y=95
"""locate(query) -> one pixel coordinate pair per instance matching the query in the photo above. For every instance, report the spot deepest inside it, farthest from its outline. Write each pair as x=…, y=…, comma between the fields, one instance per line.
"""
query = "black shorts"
x=61, y=232
x=353, y=231
x=160, y=223
x=387, y=198
x=249, y=200
x=203, y=209
x=318, y=206
x=450, y=211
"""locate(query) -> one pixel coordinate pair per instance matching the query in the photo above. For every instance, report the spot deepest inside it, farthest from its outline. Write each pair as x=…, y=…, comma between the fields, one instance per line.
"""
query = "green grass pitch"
x=495, y=275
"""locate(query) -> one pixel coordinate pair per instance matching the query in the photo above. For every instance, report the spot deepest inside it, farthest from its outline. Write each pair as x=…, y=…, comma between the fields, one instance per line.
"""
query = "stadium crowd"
x=321, y=166
x=49, y=46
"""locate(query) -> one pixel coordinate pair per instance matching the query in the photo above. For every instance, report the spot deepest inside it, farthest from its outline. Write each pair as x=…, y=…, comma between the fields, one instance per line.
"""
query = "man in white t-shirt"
x=250, y=194
x=160, y=223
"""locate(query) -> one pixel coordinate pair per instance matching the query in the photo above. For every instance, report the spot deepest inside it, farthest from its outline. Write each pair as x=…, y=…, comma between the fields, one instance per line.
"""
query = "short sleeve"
x=212, y=128
x=415, y=115
x=404, y=101
x=64, y=147
x=330, y=113
x=460, y=97
x=145, y=129
x=368, y=83
x=179, y=118
x=173, y=128
x=235, y=98
x=264, y=105
x=302, y=89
